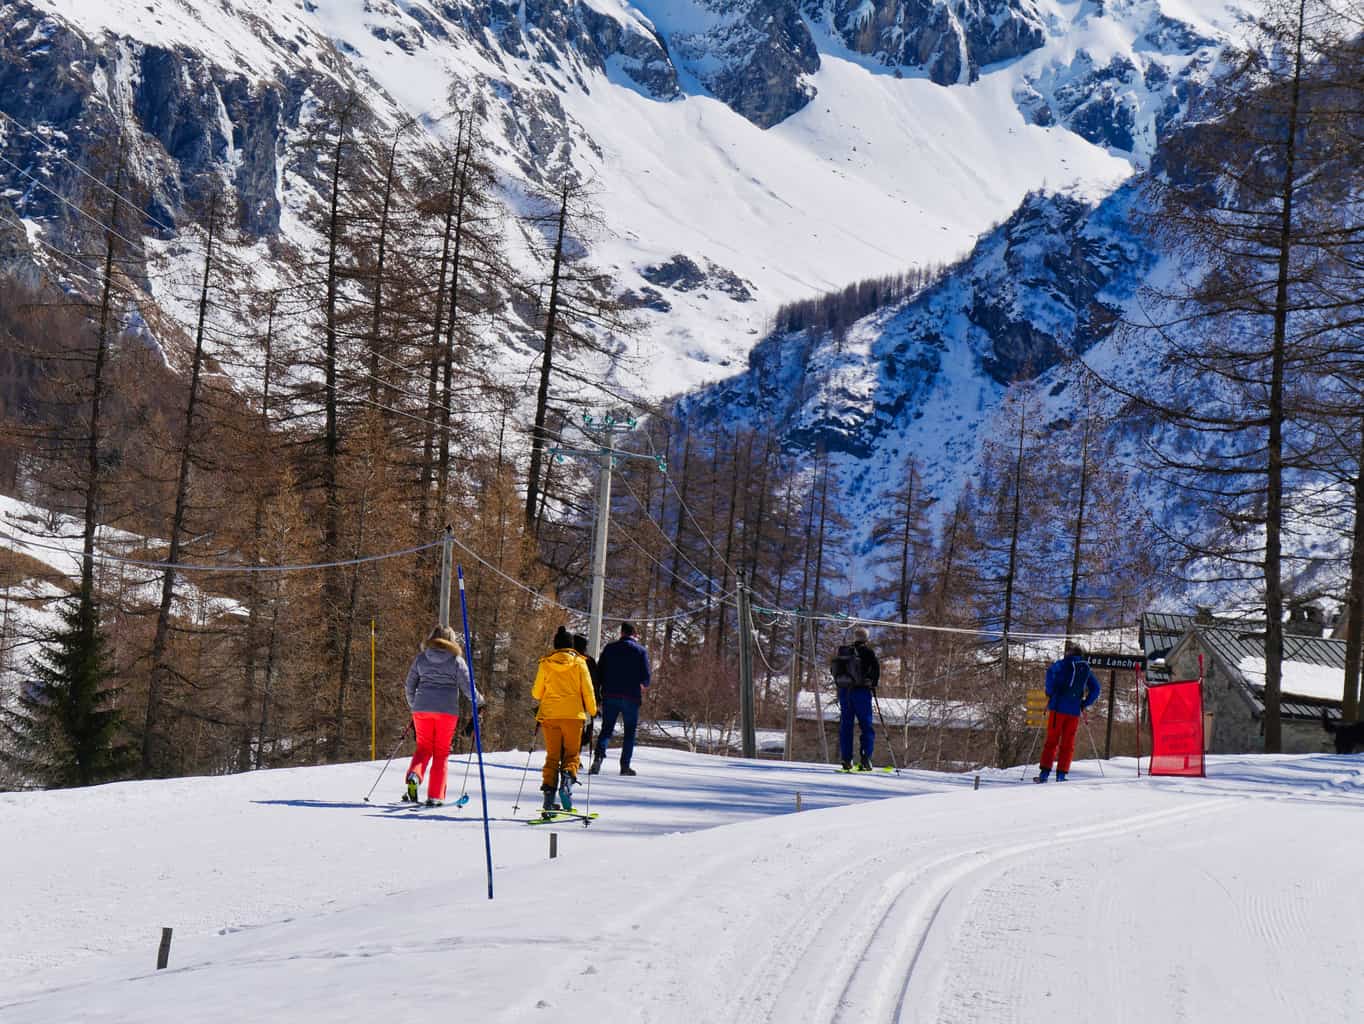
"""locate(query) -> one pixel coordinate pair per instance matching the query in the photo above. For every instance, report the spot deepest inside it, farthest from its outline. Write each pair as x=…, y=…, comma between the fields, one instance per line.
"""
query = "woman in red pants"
x=434, y=683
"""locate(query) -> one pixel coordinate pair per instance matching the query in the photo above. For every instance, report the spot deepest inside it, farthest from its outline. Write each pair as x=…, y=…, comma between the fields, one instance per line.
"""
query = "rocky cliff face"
x=925, y=374
x=949, y=40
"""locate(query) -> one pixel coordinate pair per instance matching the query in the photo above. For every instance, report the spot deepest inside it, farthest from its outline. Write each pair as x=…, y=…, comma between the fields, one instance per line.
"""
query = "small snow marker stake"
x=163, y=953
x=977, y=785
x=553, y=845
x=798, y=808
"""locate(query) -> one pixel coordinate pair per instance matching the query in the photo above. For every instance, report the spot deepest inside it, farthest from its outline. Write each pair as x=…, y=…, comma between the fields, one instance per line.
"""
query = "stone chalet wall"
x=1235, y=728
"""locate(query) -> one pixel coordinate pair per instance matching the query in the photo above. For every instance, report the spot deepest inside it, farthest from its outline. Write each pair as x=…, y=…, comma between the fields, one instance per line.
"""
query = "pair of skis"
x=862, y=771
x=415, y=805
x=558, y=814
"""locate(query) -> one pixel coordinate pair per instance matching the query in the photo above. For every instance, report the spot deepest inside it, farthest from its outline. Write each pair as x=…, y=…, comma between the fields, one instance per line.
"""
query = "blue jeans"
x=854, y=703
x=611, y=709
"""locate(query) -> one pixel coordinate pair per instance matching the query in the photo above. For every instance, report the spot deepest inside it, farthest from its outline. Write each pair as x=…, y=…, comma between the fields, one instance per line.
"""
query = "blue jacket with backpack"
x=1071, y=686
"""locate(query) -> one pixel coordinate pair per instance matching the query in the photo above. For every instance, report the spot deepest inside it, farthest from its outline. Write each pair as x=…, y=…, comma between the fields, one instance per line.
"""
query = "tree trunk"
x=1354, y=600
x=333, y=588
x=377, y=312
x=160, y=669
x=677, y=552
x=537, y=445
x=94, y=435
x=1075, y=553
x=1274, y=505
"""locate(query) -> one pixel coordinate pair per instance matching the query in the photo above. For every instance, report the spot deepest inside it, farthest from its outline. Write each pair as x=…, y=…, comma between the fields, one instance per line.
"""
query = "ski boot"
x=431, y=802
x=1060, y=776
x=410, y=794
x=625, y=769
x=595, y=768
x=1044, y=773
x=864, y=765
x=847, y=766
x=567, y=781
x=548, y=806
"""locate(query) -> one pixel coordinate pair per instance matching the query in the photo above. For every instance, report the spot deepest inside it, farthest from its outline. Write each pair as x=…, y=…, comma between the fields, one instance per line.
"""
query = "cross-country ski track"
x=698, y=896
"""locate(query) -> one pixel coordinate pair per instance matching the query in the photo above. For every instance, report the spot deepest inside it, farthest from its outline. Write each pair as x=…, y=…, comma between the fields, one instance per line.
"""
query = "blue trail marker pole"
x=478, y=737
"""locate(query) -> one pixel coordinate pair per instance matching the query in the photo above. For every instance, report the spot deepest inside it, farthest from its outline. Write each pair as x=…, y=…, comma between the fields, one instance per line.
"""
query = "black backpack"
x=846, y=667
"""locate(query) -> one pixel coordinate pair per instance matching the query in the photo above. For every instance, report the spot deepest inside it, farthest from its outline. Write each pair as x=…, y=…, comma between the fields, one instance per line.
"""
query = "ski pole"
x=464, y=790
x=392, y=754
x=890, y=747
x=473, y=699
x=590, y=750
x=526, y=770
x=1094, y=744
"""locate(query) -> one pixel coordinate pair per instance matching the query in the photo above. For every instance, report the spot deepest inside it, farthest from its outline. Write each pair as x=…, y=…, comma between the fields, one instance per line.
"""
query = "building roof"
x=1313, y=668
x=1162, y=631
x=897, y=711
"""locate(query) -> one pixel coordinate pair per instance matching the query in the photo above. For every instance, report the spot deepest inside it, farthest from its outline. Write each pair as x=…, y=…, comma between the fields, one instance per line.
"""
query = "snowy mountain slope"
x=763, y=141
x=1109, y=898
x=927, y=376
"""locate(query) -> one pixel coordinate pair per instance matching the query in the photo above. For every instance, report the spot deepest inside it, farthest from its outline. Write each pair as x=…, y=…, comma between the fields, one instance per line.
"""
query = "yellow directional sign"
x=1035, y=709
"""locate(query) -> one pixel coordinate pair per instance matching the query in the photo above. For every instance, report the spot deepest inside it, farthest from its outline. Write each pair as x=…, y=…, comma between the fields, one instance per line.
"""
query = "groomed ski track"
x=1227, y=899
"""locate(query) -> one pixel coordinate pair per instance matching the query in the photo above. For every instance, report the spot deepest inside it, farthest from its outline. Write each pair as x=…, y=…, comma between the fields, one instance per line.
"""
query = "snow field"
x=1225, y=899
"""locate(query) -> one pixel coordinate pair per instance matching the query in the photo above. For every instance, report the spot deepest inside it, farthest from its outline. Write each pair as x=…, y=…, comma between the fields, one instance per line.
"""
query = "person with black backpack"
x=1071, y=687
x=856, y=672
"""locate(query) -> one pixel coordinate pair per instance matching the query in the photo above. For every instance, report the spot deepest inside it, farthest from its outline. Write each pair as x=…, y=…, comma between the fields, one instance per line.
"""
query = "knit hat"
x=563, y=639
x=580, y=643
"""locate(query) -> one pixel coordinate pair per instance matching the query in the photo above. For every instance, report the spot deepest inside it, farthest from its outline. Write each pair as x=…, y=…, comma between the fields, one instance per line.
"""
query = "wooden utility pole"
x=748, y=729
x=447, y=565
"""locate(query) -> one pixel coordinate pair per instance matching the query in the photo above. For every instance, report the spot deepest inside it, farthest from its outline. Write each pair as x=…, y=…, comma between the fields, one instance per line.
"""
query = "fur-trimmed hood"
x=441, y=644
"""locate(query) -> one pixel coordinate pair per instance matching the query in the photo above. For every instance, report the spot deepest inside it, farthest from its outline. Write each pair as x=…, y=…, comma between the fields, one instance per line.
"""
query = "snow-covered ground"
x=698, y=896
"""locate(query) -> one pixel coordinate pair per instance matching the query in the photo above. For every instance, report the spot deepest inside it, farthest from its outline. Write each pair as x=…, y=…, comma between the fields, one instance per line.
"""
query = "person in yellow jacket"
x=564, y=690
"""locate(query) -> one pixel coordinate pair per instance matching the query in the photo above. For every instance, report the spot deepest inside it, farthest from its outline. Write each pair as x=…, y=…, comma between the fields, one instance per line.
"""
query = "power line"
x=850, y=620
x=189, y=567
x=683, y=505
x=53, y=149
x=576, y=611
x=66, y=202
x=668, y=540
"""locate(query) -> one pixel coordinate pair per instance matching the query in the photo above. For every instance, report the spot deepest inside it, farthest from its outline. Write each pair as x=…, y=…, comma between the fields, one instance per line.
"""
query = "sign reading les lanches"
x=1124, y=661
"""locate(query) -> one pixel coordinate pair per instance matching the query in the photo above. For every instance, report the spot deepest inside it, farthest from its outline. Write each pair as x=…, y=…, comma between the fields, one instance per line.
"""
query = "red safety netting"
x=1176, y=727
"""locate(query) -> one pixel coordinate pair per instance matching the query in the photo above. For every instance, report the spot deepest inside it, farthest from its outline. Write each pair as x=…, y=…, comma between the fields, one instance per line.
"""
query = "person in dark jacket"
x=580, y=645
x=435, y=681
x=856, y=681
x=1071, y=687
x=624, y=671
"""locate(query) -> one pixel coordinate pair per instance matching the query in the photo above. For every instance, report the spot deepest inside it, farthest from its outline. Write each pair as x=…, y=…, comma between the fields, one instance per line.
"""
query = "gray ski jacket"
x=436, y=679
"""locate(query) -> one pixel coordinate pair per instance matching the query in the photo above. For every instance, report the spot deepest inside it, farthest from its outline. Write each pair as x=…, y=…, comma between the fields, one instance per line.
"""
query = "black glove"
x=468, y=729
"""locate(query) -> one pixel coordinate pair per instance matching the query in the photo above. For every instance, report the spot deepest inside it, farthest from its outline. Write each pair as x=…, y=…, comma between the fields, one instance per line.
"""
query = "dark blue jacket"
x=624, y=670
x=1071, y=686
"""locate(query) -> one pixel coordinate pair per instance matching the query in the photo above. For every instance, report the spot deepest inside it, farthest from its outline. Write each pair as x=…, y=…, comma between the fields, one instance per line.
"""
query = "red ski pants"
x=1060, y=734
x=435, y=730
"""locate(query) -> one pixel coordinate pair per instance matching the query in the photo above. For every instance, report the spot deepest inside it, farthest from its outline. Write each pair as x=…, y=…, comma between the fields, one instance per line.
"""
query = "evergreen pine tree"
x=65, y=729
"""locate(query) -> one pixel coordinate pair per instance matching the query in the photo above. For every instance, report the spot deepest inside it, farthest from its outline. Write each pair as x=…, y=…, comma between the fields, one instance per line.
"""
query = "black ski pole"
x=590, y=750
x=1093, y=743
x=464, y=790
x=391, y=756
x=517, y=807
x=886, y=729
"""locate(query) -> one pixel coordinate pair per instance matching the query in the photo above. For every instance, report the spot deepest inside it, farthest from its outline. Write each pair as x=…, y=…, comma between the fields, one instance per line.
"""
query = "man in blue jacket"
x=624, y=671
x=1071, y=687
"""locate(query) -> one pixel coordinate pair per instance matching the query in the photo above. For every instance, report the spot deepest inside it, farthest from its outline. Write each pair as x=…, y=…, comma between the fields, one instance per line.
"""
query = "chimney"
x=1305, y=620
x=1203, y=615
